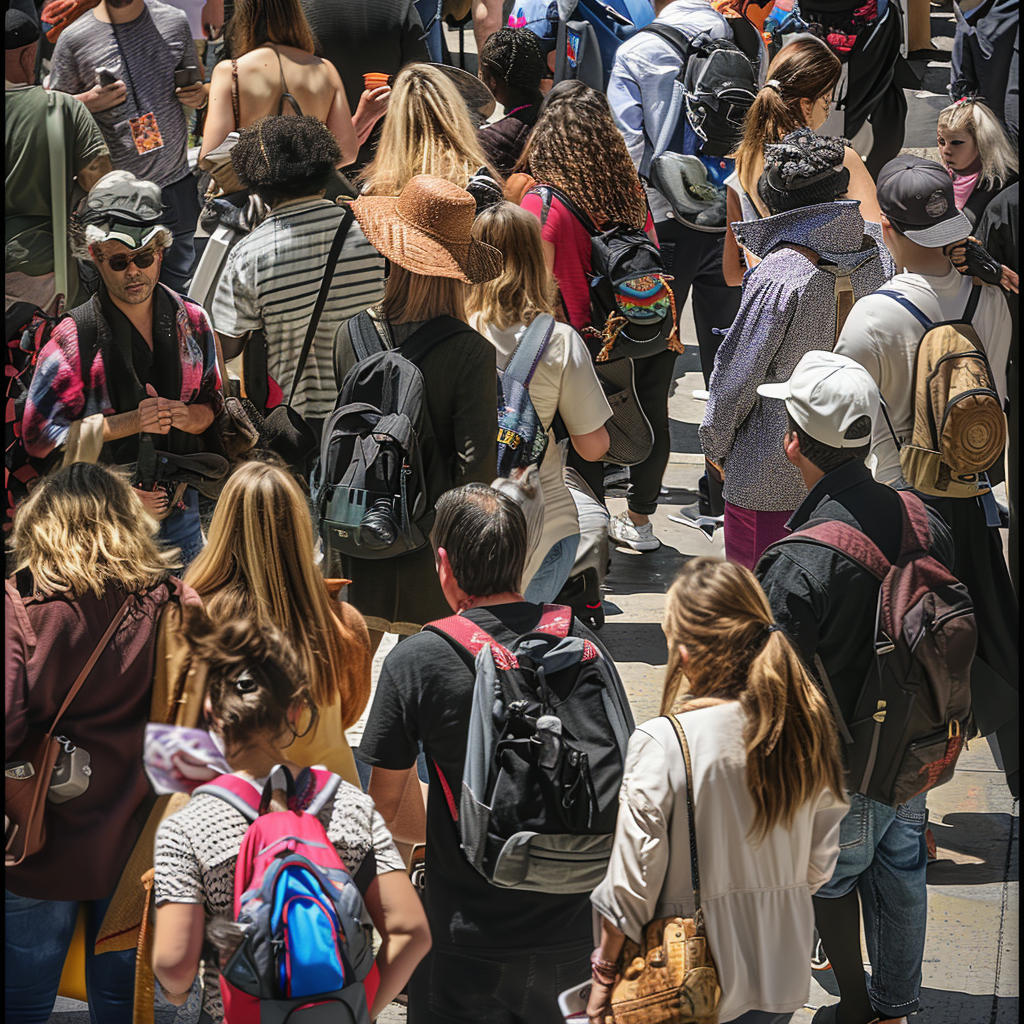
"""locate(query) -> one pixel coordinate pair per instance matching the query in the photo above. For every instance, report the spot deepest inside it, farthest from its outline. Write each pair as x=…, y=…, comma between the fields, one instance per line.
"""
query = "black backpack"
x=545, y=754
x=632, y=308
x=379, y=472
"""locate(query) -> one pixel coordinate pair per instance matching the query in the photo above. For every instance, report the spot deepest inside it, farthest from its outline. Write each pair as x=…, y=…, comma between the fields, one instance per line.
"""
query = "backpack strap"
x=243, y=795
x=972, y=304
x=679, y=41
x=924, y=321
x=365, y=338
x=917, y=532
x=526, y=358
x=429, y=335
x=549, y=192
x=250, y=799
x=847, y=540
x=556, y=620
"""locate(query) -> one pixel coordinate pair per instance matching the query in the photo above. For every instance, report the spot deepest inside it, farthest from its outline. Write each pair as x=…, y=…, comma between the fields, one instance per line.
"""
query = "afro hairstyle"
x=285, y=157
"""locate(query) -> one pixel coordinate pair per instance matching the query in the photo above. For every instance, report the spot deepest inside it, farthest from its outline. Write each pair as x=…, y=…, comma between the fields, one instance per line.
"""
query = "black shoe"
x=819, y=958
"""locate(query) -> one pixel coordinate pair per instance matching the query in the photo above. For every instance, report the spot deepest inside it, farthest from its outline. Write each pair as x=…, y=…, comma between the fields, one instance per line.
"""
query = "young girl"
x=564, y=382
x=257, y=693
x=797, y=94
x=978, y=155
x=768, y=799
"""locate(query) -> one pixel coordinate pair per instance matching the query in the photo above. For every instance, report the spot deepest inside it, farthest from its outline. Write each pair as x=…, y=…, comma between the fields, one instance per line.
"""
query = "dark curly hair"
x=513, y=55
x=285, y=157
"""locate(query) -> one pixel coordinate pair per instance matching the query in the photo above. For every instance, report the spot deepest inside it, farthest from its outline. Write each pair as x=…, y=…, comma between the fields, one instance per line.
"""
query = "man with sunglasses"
x=134, y=369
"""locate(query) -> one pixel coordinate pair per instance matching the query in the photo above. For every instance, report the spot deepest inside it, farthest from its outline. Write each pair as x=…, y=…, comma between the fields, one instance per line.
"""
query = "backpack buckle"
x=879, y=715
x=884, y=646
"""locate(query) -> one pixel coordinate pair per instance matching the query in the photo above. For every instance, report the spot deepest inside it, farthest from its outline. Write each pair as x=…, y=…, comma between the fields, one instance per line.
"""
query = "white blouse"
x=756, y=899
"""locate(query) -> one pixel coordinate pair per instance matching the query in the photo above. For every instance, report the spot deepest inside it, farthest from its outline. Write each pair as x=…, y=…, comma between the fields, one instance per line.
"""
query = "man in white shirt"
x=920, y=220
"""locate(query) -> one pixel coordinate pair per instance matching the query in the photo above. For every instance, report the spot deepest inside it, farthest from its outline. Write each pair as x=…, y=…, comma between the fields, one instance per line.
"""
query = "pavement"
x=970, y=970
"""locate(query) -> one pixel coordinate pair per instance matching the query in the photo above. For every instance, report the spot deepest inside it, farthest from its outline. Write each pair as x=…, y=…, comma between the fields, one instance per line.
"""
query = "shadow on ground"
x=984, y=836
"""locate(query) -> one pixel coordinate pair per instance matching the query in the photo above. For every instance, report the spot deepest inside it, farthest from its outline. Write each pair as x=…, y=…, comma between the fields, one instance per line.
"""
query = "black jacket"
x=824, y=601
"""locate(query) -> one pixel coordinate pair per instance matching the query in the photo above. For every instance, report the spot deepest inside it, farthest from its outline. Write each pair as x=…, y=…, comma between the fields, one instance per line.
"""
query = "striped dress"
x=271, y=281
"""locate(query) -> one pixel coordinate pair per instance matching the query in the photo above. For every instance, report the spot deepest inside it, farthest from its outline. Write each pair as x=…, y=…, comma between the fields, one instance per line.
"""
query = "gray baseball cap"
x=917, y=197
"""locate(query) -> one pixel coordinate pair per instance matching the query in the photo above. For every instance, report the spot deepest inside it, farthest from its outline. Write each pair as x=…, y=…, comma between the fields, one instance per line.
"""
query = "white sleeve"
x=825, y=840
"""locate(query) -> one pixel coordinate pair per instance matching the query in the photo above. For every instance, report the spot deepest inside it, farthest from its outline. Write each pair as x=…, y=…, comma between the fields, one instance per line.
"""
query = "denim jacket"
x=643, y=91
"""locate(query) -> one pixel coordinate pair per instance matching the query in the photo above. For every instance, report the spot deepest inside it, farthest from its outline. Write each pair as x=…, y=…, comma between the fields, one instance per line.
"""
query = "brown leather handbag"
x=670, y=978
x=27, y=777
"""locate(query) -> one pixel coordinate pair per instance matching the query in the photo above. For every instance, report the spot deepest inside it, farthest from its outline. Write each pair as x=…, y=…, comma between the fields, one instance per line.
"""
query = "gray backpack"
x=545, y=755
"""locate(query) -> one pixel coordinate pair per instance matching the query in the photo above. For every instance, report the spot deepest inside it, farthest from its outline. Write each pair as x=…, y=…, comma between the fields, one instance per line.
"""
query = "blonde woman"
x=977, y=154
x=564, y=382
x=768, y=799
x=84, y=551
x=797, y=94
x=427, y=131
x=258, y=563
x=275, y=71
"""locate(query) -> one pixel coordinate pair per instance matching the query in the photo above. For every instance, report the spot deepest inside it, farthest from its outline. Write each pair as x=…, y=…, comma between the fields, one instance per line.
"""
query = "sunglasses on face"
x=123, y=260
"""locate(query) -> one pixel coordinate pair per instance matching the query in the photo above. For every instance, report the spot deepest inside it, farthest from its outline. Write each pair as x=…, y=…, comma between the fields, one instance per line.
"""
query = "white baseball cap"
x=825, y=395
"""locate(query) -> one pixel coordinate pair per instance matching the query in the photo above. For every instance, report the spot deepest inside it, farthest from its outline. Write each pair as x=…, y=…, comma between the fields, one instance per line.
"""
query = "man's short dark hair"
x=285, y=157
x=824, y=456
x=484, y=533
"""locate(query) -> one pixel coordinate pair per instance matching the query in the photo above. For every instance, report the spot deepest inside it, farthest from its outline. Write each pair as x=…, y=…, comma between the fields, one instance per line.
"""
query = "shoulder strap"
x=462, y=632
x=93, y=658
x=248, y=798
x=526, y=358
x=925, y=322
x=845, y=539
x=321, y=299
x=285, y=94
x=746, y=38
x=236, y=108
x=429, y=335
x=548, y=192
x=676, y=39
x=58, y=199
x=917, y=532
x=365, y=338
x=972, y=304
x=698, y=914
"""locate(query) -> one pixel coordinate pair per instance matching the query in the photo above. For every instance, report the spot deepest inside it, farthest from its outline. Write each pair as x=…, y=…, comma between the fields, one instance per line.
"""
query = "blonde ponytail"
x=719, y=612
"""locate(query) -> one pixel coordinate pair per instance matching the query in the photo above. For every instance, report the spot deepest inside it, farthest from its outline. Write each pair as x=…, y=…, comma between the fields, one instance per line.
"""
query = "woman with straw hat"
x=425, y=232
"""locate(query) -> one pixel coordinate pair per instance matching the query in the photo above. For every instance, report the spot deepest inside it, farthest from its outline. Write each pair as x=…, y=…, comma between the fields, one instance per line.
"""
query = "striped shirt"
x=271, y=281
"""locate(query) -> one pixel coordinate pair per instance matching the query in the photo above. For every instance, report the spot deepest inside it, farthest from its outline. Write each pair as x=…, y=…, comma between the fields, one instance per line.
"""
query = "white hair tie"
x=773, y=83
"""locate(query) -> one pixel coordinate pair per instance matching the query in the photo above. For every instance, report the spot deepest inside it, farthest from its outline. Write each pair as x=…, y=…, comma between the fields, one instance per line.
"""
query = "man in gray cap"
x=137, y=361
x=30, y=221
x=920, y=222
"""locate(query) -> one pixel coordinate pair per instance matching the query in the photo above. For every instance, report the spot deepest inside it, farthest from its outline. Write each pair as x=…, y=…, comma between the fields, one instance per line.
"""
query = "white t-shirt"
x=564, y=382
x=883, y=337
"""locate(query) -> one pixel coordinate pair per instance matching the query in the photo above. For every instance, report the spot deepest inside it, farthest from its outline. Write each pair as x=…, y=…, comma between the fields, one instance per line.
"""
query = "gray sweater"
x=788, y=308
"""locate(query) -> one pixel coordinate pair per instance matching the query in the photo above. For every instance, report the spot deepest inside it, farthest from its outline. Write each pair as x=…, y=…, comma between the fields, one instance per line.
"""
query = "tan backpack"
x=959, y=429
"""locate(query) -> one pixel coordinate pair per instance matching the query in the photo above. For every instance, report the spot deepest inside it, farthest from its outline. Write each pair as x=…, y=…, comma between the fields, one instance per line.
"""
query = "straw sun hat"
x=428, y=230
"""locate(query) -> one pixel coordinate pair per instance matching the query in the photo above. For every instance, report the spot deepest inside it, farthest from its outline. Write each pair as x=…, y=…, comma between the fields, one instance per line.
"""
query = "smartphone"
x=184, y=77
x=106, y=77
x=572, y=1003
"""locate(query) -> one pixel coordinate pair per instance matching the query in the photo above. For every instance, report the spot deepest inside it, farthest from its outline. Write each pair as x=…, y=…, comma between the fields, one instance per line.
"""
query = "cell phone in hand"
x=184, y=77
x=572, y=1003
x=106, y=77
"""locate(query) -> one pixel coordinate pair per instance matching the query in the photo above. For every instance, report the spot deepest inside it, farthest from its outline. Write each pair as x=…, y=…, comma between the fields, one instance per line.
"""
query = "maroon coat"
x=89, y=838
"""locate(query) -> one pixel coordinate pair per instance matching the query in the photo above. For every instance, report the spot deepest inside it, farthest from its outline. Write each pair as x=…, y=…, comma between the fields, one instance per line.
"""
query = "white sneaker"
x=622, y=530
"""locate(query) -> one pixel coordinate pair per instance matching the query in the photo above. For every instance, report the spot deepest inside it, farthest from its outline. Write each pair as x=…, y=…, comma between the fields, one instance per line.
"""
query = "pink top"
x=572, y=255
x=963, y=186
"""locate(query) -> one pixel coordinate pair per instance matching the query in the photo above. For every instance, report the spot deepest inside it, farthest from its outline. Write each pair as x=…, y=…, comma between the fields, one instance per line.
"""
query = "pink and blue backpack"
x=307, y=953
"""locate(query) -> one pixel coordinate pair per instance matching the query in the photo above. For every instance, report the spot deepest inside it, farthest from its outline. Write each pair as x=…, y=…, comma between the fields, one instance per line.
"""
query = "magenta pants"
x=748, y=533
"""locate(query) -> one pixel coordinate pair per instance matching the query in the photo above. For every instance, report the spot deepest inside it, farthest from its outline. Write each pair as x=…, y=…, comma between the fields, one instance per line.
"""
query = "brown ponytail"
x=805, y=69
x=718, y=610
x=254, y=679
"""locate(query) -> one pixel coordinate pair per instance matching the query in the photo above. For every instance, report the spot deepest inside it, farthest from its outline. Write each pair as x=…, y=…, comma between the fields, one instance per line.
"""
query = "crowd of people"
x=430, y=335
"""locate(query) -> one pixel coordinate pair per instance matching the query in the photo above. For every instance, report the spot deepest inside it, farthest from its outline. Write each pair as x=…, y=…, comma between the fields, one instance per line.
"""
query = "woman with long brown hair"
x=274, y=70
x=259, y=563
x=768, y=799
x=797, y=94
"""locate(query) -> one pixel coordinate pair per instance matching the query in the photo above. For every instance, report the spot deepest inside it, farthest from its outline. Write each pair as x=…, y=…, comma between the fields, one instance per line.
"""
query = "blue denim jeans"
x=556, y=568
x=181, y=528
x=37, y=937
x=882, y=852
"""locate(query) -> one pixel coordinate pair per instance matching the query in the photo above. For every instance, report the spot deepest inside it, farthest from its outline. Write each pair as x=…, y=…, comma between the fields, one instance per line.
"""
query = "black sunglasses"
x=122, y=260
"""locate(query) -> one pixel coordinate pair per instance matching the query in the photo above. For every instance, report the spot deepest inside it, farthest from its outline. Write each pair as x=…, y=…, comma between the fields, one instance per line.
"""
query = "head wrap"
x=802, y=170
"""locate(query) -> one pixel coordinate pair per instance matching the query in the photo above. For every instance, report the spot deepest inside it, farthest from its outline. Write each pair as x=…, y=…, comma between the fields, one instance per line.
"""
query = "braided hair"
x=513, y=56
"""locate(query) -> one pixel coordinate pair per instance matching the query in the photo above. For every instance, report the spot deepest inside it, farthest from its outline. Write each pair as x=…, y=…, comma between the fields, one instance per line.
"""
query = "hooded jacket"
x=788, y=308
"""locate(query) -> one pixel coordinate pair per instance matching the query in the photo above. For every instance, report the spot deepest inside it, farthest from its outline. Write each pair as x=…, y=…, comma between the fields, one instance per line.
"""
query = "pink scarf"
x=963, y=186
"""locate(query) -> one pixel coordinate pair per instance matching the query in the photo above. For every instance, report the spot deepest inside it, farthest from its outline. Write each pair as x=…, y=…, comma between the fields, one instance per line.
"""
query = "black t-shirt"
x=425, y=693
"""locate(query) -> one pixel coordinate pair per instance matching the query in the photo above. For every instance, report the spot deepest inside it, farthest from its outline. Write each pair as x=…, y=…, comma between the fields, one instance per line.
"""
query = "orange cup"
x=375, y=80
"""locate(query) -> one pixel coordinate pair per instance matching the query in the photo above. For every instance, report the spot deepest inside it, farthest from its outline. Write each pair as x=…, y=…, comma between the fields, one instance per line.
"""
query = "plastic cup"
x=375, y=80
